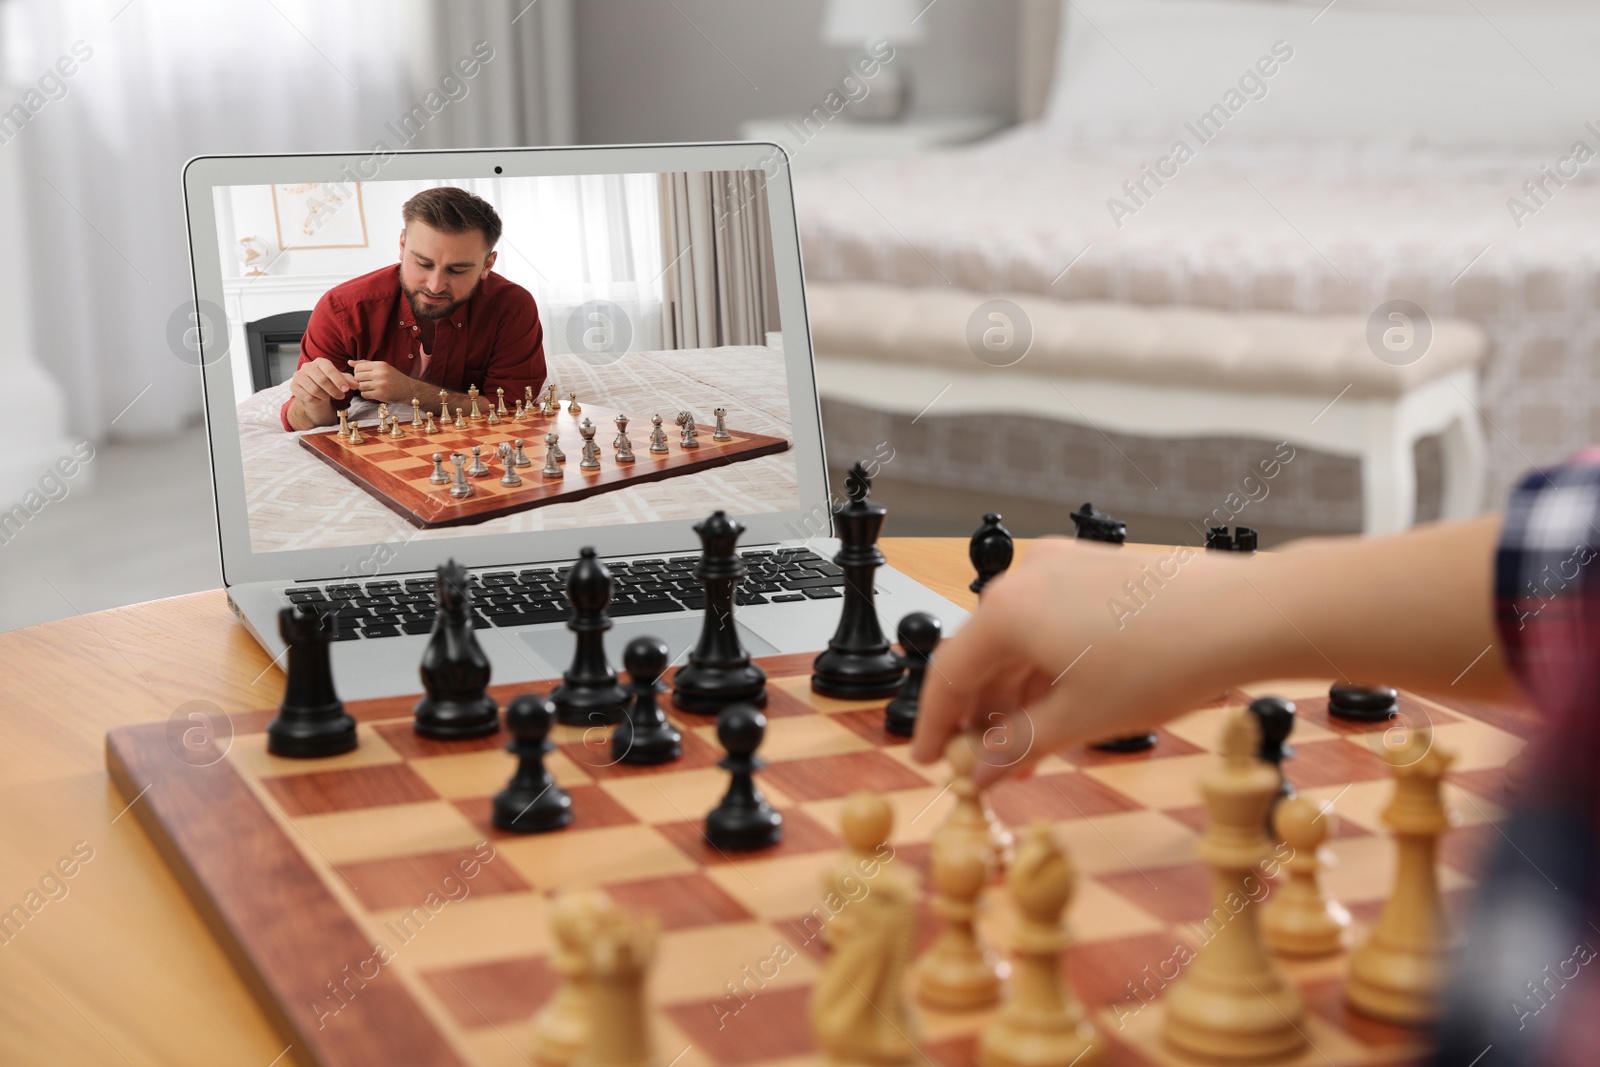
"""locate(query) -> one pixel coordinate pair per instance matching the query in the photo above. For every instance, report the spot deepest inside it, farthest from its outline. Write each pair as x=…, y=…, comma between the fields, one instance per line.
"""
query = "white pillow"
x=1424, y=72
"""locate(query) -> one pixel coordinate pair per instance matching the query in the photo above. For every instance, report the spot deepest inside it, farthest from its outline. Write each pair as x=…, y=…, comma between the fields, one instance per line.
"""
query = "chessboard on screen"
x=585, y=296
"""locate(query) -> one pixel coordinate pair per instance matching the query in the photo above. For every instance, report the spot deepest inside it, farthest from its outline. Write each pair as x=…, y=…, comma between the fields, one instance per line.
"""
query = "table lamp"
x=862, y=23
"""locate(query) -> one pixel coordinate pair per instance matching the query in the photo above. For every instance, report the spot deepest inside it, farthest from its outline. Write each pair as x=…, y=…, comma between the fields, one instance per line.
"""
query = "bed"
x=1343, y=185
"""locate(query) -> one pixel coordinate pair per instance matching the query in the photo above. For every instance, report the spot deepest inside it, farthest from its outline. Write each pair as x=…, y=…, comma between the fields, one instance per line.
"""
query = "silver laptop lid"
x=646, y=262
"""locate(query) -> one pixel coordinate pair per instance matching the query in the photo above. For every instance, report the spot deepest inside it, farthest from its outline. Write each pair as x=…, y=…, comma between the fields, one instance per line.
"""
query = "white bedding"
x=1311, y=227
x=297, y=501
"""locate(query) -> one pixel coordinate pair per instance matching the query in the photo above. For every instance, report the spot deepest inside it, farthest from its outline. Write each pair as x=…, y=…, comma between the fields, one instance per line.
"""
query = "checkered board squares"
x=397, y=470
x=305, y=868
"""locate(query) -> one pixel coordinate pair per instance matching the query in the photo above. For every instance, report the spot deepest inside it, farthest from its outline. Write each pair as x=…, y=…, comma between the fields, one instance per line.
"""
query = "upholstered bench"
x=1165, y=371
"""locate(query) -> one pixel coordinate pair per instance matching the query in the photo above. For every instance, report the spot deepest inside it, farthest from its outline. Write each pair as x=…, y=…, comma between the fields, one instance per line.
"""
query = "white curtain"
x=166, y=81
x=575, y=240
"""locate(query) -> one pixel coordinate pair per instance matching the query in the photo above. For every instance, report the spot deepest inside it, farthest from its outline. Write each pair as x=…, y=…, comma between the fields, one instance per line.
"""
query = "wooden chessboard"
x=396, y=471
x=303, y=868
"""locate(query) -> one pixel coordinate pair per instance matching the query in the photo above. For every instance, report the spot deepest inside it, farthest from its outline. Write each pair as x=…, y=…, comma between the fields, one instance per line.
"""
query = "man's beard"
x=424, y=310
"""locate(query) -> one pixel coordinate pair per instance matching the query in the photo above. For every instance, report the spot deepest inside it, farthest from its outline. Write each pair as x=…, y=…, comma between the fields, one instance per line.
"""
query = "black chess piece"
x=532, y=802
x=1362, y=703
x=645, y=736
x=991, y=551
x=919, y=635
x=455, y=672
x=858, y=663
x=589, y=694
x=719, y=671
x=1276, y=716
x=1095, y=525
x=1243, y=539
x=311, y=721
x=743, y=820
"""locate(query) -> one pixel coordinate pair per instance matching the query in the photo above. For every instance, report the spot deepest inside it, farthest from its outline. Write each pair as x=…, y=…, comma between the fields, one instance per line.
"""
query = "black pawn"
x=1361, y=703
x=531, y=803
x=1276, y=717
x=990, y=551
x=1093, y=524
x=858, y=663
x=645, y=736
x=455, y=672
x=744, y=820
x=311, y=722
x=719, y=671
x=589, y=694
x=919, y=636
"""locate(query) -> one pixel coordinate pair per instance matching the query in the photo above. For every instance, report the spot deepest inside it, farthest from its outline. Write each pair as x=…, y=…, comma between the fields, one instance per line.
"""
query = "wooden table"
x=118, y=968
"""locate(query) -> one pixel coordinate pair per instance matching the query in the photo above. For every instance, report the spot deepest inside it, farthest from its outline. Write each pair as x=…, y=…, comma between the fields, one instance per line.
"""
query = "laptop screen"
x=416, y=360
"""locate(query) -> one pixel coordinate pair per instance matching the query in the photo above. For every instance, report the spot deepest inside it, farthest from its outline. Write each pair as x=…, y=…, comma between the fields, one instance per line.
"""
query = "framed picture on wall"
x=319, y=215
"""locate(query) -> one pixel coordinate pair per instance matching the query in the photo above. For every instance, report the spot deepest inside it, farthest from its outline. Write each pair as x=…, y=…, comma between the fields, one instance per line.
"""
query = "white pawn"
x=552, y=463
x=439, y=477
x=658, y=436
x=959, y=971
x=1297, y=920
x=518, y=457
x=1042, y=1024
x=478, y=468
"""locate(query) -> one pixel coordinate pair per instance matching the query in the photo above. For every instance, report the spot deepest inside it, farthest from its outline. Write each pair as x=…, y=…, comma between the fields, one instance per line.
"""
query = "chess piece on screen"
x=1298, y=919
x=493, y=418
x=473, y=414
x=959, y=972
x=395, y=432
x=589, y=694
x=1397, y=973
x=478, y=467
x=720, y=433
x=619, y=953
x=510, y=479
x=311, y=721
x=990, y=550
x=355, y=435
x=645, y=736
x=439, y=475
x=552, y=457
x=919, y=636
x=719, y=671
x=532, y=802
x=742, y=820
x=516, y=414
x=1232, y=1003
x=344, y=423
x=519, y=458
x=658, y=436
x=455, y=672
x=460, y=488
x=561, y=1027
x=461, y=420
x=416, y=411
x=591, y=451
x=573, y=407
x=430, y=426
x=1363, y=703
x=859, y=1010
x=858, y=663
x=1041, y=1024
x=686, y=423
x=383, y=416
x=499, y=401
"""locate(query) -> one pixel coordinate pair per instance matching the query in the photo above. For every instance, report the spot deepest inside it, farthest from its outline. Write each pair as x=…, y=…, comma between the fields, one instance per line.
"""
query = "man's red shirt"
x=494, y=340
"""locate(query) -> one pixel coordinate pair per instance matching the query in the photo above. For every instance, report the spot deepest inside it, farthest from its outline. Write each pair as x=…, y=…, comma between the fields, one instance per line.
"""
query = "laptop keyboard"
x=388, y=608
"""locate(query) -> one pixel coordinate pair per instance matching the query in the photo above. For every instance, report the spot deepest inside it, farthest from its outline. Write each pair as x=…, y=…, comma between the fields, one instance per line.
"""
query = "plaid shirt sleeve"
x=1547, y=594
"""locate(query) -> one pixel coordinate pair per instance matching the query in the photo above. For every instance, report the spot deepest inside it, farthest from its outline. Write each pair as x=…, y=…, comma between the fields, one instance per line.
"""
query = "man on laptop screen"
x=440, y=319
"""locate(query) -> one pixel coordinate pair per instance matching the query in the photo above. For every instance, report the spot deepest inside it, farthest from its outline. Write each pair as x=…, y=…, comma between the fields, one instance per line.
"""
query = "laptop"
x=667, y=281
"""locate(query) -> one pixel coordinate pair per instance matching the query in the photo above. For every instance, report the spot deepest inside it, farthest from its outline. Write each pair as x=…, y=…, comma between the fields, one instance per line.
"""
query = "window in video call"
x=420, y=359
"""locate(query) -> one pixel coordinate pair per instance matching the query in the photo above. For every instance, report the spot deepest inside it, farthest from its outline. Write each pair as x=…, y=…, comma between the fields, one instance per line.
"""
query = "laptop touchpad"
x=680, y=632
